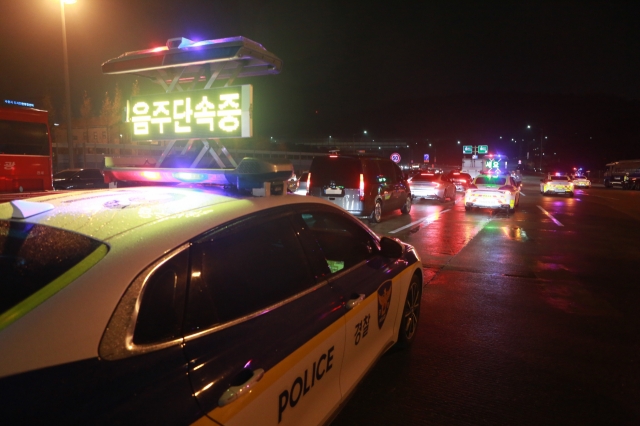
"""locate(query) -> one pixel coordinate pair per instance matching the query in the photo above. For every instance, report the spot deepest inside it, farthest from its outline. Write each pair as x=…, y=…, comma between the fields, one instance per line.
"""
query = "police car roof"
x=105, y=214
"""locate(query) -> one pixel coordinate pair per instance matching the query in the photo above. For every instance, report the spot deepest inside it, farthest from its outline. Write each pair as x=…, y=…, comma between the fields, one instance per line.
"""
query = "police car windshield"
x=560, y=178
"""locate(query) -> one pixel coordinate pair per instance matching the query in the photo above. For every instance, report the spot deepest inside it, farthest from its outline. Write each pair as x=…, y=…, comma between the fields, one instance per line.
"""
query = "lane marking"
x=523, y=194
x=429, y=219
x=556, y=221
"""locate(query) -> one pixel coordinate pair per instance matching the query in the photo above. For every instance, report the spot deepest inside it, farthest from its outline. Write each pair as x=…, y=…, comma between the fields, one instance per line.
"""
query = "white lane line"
x=556, y=221
x=523, y=194
x=429, y=219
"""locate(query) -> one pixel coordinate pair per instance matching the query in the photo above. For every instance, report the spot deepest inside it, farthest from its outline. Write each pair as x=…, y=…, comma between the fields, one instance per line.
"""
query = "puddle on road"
x=515, y=233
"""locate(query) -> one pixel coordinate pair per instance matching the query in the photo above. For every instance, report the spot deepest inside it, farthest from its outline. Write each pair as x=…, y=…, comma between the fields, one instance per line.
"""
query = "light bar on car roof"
x=251, y=173
x=227, y=53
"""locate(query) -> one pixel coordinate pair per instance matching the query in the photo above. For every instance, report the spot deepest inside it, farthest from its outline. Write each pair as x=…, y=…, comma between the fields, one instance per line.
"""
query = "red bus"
x=25, y=150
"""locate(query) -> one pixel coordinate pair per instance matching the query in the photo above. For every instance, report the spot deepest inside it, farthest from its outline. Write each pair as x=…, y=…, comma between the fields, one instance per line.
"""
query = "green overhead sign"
x=467, y=149
x=483, y=149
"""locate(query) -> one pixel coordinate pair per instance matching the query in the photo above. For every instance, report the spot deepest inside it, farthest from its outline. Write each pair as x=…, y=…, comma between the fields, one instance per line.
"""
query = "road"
x=527, y=319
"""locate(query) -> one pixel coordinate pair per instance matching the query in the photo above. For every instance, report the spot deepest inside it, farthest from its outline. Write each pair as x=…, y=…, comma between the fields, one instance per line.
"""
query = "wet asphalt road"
x=531, y=318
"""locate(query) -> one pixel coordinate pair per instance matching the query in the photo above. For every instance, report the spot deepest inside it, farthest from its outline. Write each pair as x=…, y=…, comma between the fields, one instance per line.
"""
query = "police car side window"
x=241, y=271
x=342, y=242
x=162, y=305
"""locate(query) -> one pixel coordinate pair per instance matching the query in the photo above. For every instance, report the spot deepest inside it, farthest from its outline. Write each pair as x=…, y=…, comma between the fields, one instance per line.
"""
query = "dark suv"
x=364, y=186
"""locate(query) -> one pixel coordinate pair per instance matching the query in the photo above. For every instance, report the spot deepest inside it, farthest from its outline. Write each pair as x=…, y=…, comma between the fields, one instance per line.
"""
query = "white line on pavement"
x=556, y=221
x=429, y=219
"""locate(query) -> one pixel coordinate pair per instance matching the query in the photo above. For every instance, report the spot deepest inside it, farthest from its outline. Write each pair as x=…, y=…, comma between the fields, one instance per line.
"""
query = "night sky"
x=439, y=70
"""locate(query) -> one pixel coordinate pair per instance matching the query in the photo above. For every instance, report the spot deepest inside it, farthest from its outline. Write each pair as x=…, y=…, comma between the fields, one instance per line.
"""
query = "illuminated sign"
x=483, y=149
x=493, y=165
x=214, y=113
x=395, y=157
x=19, y=103
x=426, y=158
x=467, y=149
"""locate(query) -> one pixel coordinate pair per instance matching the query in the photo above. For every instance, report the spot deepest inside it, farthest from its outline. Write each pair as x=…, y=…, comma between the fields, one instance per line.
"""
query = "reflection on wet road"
x=527, y=318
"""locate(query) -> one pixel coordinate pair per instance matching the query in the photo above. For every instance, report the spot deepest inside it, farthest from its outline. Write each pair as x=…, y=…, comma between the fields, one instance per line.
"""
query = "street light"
x=66, y=81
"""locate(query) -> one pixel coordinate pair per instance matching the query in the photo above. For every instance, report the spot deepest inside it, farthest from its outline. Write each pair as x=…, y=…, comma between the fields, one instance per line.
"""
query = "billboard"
x=224, y=112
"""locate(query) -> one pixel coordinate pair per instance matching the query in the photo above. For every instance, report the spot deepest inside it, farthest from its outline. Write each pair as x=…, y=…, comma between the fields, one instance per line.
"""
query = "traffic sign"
x=395, y=157
x=483, y=149
x=467, y=149
x=426, y=158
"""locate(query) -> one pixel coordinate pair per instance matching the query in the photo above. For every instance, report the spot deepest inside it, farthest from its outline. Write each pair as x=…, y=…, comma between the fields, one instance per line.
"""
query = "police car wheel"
x=467, y=208
x=410, y=313
x=571, y=194
x=376, y=214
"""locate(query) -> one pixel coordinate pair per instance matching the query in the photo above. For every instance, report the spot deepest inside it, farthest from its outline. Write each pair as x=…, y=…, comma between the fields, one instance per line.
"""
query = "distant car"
x=494, y=192
x=581, y=182
x=556, y=184
x=460, y=180
x=292, y=184
x=432, y=186
x=79, y=179
x=302, y=184
x=167, y=305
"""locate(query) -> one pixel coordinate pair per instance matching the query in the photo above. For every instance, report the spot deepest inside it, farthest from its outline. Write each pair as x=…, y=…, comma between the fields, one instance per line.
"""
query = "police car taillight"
x=361, y=187
x=308, y=182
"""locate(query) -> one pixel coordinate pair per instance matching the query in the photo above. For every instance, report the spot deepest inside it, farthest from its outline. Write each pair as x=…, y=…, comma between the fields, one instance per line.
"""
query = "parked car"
x=432, y=186
x=364, y=186
x=79, y=179
x=174, y=305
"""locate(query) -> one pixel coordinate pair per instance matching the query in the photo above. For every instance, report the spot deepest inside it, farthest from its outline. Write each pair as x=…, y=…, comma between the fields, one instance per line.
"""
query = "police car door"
x=362, y=279
x=264, y=338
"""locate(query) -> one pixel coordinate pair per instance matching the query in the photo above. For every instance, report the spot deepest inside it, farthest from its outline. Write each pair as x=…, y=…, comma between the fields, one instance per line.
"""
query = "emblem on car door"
x=384, y=301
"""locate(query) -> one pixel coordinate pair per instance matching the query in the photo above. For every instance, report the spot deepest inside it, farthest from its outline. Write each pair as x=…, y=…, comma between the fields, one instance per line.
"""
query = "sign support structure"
x=185, y=69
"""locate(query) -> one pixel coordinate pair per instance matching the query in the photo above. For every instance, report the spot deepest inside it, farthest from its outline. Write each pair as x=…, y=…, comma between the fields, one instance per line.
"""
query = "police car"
x=180, y=305
x=494, y=191
x=556, y=184
x=581, y=182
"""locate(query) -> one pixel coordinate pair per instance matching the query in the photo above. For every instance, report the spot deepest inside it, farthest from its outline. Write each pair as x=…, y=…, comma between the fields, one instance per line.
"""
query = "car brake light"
x=308, y=182
x=361, y=187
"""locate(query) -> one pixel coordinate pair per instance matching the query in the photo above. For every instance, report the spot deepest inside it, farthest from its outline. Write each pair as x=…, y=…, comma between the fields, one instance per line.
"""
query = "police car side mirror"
x=391, y=247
